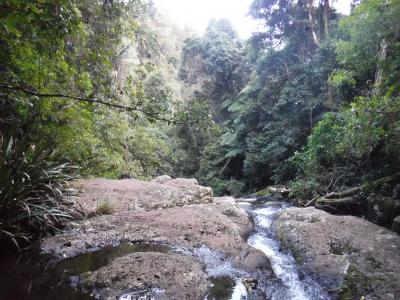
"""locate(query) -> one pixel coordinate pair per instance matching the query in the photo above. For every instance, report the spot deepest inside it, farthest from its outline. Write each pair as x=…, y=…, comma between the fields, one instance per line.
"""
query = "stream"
x=36, y=276
x=293, y=285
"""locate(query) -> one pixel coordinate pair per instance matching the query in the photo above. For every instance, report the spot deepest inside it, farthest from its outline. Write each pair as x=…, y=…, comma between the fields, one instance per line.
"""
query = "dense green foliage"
x=271, y=112
x=359, y=143
x=321, y=107
x=87, y=80
x=352, y=147
x=114, y=88
x=68, y=53
x=35, y=199
x=213, y=71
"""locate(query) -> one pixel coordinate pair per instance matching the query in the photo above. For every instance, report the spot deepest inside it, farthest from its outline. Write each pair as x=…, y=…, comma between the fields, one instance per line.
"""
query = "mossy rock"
x=355, y=285
x=274, y=191
x=287, y=246
x=263, y=192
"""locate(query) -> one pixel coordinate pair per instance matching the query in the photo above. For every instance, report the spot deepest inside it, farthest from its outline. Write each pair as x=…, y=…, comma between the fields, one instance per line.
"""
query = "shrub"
x=358, y=144
x=223, y=187
x=33, y=189
x=104, y=208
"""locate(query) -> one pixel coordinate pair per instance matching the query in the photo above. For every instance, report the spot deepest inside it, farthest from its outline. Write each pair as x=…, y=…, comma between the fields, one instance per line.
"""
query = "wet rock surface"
x=291, y=284
x=220, y=226
x=177, y=214
x=159, y=275
x=351, y=257
x=168, y=239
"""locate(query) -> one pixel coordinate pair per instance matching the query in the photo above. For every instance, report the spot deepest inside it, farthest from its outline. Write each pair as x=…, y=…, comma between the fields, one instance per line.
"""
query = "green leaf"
x=234, y=153
x=11, y=22
x=228, y=138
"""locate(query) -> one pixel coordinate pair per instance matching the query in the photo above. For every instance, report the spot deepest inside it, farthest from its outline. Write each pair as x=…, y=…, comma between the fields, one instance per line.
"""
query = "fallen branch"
x=326, y=207
x=311, y=202
x=344, y=193
x=338, y=201
x=348, y=196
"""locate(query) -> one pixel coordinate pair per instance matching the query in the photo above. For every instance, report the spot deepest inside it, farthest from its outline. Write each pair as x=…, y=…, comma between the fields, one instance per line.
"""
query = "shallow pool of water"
x=41, y=277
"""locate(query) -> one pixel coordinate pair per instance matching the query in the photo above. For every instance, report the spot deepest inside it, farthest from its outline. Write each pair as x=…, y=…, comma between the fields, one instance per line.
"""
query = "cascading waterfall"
x=283, y=264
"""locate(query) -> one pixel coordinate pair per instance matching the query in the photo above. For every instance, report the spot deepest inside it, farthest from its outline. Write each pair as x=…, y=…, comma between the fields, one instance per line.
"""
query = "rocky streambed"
x=170, y=239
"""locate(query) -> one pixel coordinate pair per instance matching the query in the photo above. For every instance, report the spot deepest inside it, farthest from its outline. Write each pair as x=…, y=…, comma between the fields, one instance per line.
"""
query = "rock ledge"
x=351, y=257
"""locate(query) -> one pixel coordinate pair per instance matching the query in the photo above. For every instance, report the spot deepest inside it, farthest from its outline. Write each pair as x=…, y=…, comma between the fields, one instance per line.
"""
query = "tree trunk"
x=308, y=7
x=383, y=51
x=330, y=103
x=338, y=201
x=345, y=193
x=311, y=25
x=325, y=17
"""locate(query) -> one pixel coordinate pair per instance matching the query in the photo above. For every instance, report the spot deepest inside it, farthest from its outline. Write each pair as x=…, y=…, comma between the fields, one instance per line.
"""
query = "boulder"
x=382, y=210
x=161, y=179
x=183, y=182
x=148, y=276
x=131, y=194
x=349, y=256
x=221, y=226
x=396, y=224
x=278, y=191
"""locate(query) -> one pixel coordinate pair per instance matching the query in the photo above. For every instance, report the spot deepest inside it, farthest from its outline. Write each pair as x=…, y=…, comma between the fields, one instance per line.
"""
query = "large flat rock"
x=150, y=275
x=178, y=213
x=221, y=226
x=351, y=257
x=131, y=194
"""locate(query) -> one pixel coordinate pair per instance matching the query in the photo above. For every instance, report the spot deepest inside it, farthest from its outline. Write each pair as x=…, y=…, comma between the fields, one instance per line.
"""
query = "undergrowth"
x=34, y=188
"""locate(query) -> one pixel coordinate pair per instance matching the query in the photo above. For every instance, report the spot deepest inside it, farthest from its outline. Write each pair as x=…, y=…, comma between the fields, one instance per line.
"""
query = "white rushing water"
x=239, y=292
x=283, y=264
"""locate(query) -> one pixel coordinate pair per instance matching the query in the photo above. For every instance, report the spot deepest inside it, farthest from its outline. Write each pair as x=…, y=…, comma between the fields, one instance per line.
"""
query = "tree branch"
x=338, y=201
x=349, y=196
x=345, y=193
x=88, y=100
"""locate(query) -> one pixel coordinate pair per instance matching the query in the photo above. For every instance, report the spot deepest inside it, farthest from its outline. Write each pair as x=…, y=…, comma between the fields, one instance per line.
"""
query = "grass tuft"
x=104, y=208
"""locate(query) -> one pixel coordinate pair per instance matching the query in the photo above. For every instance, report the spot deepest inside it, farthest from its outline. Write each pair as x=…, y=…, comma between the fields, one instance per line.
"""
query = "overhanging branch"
x=88, y=100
